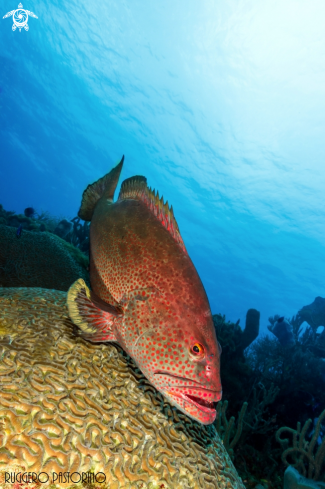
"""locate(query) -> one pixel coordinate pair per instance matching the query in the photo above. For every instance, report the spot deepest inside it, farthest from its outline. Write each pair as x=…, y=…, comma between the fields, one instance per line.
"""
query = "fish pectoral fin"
x=91, y=314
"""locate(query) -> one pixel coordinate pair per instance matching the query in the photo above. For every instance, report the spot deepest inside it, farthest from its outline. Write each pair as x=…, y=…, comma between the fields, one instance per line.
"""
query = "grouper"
x=146, y=294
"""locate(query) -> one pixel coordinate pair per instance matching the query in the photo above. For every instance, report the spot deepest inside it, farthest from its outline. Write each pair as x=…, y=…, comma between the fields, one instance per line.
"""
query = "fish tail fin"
x=90, y=314
x=105, y=186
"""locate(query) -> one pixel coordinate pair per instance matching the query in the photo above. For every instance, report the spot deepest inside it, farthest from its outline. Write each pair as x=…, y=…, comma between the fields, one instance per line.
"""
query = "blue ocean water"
x=221, y=105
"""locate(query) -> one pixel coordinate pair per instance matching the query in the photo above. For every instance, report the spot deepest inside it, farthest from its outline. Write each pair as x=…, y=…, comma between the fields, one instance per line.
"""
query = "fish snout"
x=219, y=396
x=209, y=375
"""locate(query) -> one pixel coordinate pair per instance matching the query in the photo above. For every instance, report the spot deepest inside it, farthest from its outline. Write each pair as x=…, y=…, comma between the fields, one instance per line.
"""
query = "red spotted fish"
x=146, y=294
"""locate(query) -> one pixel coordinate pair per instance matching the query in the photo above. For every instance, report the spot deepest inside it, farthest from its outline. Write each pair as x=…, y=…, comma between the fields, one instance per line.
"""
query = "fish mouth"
x=200, y=403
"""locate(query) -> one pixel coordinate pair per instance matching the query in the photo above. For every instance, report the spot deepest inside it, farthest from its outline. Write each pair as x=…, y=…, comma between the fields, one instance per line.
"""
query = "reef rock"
x=294, y=480
x=67, y=405
x=39, y=260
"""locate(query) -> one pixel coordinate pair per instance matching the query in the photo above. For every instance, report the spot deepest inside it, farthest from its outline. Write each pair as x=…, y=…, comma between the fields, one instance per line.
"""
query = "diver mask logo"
x=20, y=18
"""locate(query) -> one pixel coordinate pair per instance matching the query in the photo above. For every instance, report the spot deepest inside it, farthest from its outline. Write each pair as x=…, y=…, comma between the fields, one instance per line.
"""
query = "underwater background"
x=219, y=104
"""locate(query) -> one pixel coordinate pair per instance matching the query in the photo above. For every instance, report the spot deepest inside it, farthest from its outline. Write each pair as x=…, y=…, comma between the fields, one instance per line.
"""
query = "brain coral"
x=37, y=260
x=70, y=405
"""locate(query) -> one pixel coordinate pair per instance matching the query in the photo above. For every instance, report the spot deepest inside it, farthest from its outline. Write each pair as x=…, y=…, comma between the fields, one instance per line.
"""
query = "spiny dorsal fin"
x=133, y=187
x=105, y=186
x=136, y=188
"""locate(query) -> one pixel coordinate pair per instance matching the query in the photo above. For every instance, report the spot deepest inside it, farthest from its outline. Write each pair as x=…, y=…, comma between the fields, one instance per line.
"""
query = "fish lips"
x=203, y=399
x=198, y=398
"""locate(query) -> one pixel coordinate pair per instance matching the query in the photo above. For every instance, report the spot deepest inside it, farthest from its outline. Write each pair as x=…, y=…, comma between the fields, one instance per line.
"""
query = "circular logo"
x=20, y=18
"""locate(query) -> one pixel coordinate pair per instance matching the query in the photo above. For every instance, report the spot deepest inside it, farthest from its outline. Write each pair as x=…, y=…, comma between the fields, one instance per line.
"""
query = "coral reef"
x=281, y=386
x=249, y=443
x=39, y=260
x=314, y=313
x=295, y=379
x=234, y=341
x=70, y=405
x=30, y=220
x=72, y=231
x=228, y=431
x=5, y=215
x=253, y=398
x=283, y=330
x=307, y=456
x=266, y=384
x=228, y=333
x=232, y=337
x=63, y=228
x=79, y=235
x=252, y=328
x=258, y=420
x=298, y=373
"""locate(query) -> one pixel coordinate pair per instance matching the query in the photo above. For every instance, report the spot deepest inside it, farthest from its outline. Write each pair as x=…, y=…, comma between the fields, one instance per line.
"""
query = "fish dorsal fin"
x=105, y=186
x=136, y=188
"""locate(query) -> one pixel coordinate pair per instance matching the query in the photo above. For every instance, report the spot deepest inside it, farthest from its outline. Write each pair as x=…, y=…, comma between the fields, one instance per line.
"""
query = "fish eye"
x=197, y=349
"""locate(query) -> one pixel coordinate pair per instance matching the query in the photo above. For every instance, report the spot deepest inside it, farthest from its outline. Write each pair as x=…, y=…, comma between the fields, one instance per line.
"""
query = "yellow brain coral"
x=67, y=405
